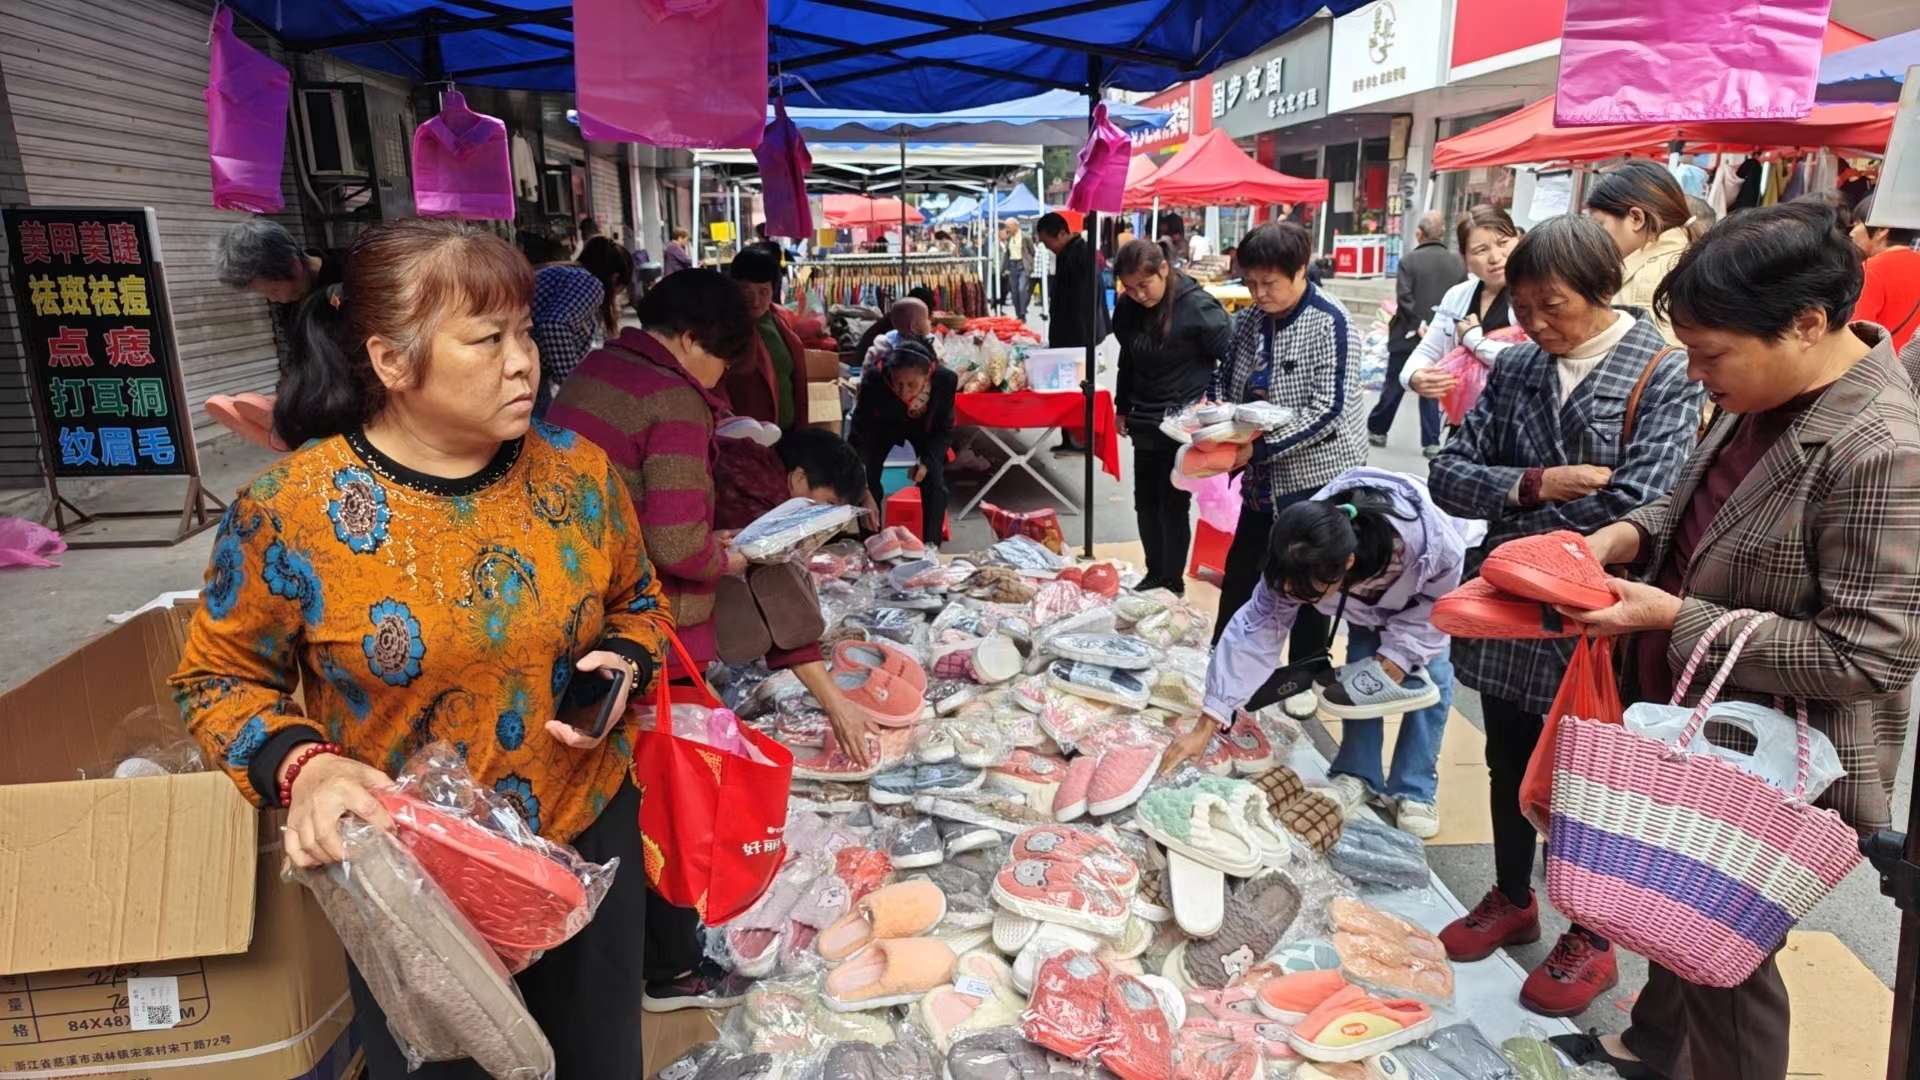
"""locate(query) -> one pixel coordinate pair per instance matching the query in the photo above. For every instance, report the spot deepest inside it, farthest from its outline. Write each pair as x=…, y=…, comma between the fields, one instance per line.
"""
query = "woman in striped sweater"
x=647, y=398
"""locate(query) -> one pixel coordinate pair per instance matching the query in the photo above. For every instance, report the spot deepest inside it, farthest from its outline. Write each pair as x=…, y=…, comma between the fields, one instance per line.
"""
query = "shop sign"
x=1187, y=104
x=1490, y=35
x=99, y=341
x=1386, y=50
x=1275, y=88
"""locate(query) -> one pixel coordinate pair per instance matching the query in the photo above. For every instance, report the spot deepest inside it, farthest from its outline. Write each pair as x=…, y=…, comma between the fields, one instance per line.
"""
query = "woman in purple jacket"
x=1372, y=549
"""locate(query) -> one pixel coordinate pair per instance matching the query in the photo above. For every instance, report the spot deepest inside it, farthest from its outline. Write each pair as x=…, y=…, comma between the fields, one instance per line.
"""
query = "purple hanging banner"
x=1652, y=61
x=247, y=97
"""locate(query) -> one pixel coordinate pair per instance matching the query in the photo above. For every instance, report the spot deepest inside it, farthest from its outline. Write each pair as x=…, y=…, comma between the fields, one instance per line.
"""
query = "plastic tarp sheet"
x=1872, y=72
x=962, y=53
x=1211, y=171
x=1055, y=118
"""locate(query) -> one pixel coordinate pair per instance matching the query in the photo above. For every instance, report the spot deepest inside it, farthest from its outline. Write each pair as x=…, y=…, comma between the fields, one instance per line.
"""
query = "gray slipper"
x=1258, y=915
x=1003, y=1054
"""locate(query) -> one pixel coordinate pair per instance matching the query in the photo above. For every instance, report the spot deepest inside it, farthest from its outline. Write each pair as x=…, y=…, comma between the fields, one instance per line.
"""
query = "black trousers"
x=933, y=486
x=1380, y=420
x=1511, y=736
x=1246, y=561
x=585, y=994
x=1162, y=509
x=1688, y=1032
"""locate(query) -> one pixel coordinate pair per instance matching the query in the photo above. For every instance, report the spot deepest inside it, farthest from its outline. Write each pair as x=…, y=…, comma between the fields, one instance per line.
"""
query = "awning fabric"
x=923, y=56
x=1055, y=118
x=1872, y=72
x=1211, y=171
x=1529, y=136
x=859, y=211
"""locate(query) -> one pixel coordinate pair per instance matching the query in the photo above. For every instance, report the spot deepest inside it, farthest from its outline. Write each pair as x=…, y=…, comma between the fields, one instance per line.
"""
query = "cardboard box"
x=822, y=365
x=155, y=889
x=823, y=406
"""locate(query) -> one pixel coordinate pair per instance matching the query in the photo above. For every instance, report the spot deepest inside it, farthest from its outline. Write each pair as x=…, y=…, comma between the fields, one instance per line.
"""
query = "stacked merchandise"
x=1009, y=887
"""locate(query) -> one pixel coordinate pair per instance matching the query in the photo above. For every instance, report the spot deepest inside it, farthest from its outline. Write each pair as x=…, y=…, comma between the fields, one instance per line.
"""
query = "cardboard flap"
x=98, y=872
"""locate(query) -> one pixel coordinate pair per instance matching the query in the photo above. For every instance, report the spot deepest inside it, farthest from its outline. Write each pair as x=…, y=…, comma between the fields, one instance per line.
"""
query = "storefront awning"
x=1055, y=118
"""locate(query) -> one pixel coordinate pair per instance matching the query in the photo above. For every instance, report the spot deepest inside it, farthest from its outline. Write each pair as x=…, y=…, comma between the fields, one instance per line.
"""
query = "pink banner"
x=1643, y=61
x=247, y=96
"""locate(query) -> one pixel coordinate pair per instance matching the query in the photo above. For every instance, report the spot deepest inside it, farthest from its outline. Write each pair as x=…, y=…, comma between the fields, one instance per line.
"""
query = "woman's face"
x=1557, y=318
x=478, y=382
x=1625, y=231
x=1274, y=292
x=1487, y=251
x=1146, y=287
x=909, y=384
x=1869, y=242
x=1746, y=374
x=759, y=296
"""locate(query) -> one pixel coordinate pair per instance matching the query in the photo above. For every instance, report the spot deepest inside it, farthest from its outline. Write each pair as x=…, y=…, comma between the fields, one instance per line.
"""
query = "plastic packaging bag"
x=1218, y=498
x=26, y=543
x=794, y=528
x=462, y=166
x=1374, y=854
x=701, y=81
x=247, y=96
x=1775, y=755
x=1388, y=954
x=523, y=893
x=1588, y=691
x=445, y=992
x=148, y=741
x=1026, y=554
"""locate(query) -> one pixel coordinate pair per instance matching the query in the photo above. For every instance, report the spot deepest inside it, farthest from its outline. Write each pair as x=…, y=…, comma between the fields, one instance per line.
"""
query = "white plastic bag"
x=1774, y=756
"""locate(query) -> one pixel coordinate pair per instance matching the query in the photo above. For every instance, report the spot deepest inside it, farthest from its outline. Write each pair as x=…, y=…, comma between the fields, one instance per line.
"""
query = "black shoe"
x=1585, y=1048
x=708, y=986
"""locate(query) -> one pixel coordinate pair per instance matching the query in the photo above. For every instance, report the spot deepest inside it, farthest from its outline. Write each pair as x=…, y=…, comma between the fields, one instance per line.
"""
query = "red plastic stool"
x=1209, y=559
x=903, y=508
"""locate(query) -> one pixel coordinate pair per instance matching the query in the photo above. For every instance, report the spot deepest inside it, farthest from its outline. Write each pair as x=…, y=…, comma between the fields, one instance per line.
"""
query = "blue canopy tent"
x=932, y=56
x=962, y=208
x=1872, y=72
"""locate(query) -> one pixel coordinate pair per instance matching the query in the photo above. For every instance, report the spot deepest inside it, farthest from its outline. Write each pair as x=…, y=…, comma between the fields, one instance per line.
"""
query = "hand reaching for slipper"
x=1190, y=746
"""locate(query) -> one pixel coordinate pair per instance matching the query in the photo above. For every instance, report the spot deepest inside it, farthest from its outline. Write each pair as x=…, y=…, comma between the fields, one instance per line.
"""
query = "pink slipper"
x=226, y=411
x=890, y=658
x=1123, y=775
x=880, y=697
x=1070, y=800
x=902, y=910
x=1036, y=777
x=887, y=973
x=831, y=764
x=1248, y=747
x=1067, y=1013
x=1140, y=1045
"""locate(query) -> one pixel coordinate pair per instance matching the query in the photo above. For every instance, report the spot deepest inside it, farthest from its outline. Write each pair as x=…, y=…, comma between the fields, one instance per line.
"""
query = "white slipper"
x=1108, y=650
x=1012, y=931
x=1050, y=941
x=1198, y=893
x=1217, y=832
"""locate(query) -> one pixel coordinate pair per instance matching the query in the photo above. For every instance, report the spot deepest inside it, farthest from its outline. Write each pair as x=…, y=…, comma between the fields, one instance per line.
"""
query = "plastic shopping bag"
x=699, y=82
x=25, y=543
x=1102, y=173
x=461, y=164
x=1588, y=692
x=247, y=97
x=712, y=820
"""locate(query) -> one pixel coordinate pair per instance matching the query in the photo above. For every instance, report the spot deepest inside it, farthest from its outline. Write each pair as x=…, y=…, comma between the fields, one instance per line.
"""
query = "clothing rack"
x=877, y=280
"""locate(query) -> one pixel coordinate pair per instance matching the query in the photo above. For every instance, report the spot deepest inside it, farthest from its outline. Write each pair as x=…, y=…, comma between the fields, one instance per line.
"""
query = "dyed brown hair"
x=403, y=279
x=1483, y=216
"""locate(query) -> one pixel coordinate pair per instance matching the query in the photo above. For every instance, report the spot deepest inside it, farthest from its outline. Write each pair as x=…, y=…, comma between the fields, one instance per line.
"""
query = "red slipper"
x=1478, y=610
x=1553, y=568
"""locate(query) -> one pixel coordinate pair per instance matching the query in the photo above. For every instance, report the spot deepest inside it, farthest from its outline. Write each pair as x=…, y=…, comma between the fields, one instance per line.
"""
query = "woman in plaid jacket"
x=1550, y=445
x=1803, y=501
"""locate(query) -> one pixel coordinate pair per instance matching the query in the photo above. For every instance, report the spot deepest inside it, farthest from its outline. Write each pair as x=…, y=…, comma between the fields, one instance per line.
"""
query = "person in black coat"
x=1071, y=320
x=1171, y=334
x=1426, y=273
x=908, y=398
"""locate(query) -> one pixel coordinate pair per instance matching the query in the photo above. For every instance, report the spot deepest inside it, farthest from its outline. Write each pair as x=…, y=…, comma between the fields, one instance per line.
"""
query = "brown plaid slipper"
x=1312, y=816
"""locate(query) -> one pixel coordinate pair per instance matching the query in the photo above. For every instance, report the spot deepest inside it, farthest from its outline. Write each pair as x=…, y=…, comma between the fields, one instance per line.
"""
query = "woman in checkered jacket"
x=1591, y=420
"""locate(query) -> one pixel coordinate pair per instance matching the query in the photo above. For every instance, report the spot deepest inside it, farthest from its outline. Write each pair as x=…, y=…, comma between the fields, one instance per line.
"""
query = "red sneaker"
x=1553, y=568
x=1494, y=922
x=1573, y=974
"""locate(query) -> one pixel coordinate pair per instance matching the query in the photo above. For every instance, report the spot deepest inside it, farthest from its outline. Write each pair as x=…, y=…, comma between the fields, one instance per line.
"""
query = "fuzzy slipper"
x=1201, y=826
x=740, y=633
x=988, y=661
x=893, y=971
x=1049, y=941
x=905, y=910
x=894, y=660
x=1140, y=1041
x=880, y=698
x=1258, y=916
x=1289, y=999
x=1068, y=1011
x=982, y=996
x=784, y=594
x=1065, y=891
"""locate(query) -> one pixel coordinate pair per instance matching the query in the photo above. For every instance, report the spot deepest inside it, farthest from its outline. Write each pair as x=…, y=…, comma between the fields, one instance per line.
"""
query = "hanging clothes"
x=461, y=164
x=956, y=284
x=526, y=177
x=247, y=97
x=784, y=165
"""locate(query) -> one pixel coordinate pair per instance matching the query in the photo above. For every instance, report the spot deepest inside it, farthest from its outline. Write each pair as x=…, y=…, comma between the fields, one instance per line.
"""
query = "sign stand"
x=109, y=394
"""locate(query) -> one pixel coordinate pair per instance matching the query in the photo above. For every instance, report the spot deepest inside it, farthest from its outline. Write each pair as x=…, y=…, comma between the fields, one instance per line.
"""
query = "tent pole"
x=1046, y=301
x=904, y=286
x=1093, y=315
x=994, y=242
x=1156, y=219
x=693, y=236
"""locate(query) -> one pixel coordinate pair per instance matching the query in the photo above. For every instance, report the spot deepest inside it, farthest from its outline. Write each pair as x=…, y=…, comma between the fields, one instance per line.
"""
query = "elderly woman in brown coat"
x=1803, y=500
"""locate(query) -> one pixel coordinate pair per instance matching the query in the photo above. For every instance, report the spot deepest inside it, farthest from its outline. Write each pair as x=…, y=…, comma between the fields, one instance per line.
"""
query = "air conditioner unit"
x=334, y=130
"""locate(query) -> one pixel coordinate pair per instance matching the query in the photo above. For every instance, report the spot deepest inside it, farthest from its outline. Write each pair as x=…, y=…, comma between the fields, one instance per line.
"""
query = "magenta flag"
x=462, y=165
x=784, y=165
x=1100, y=182
x=1645, y=61
x=690, y=74
x=247, y=97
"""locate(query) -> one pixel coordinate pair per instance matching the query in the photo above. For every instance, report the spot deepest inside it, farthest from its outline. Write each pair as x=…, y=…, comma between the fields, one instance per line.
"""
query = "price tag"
x=153, y=1004
x=973, y=986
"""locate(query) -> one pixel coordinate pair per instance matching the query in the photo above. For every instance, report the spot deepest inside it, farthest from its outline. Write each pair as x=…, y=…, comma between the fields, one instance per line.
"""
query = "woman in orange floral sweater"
x=434, y=566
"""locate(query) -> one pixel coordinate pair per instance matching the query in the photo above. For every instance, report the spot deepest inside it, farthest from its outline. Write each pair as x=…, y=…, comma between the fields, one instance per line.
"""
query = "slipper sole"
x=1307, y=1048
x=1198, y=893
x=1529, y=583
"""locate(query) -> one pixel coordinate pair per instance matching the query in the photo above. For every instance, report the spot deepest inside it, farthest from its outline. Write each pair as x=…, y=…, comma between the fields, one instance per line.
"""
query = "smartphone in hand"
x=587, y=703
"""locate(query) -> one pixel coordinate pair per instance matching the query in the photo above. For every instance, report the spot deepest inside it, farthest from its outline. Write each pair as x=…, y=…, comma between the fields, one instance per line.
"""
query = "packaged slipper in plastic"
x=1100, y=683
x=795, y=527
x=1026, y=554
x=1109, y=650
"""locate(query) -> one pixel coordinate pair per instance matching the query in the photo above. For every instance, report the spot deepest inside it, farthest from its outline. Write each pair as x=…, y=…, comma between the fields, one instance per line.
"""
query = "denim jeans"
x=1416, y=753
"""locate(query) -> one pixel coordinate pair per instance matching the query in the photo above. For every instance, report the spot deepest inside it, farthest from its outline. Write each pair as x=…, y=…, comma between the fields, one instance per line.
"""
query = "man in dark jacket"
x=1426, y=273
x=1071, y=320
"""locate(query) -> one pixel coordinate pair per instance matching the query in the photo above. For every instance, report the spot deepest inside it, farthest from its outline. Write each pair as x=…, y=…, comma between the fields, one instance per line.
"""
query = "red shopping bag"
x=712, y=823
x=1589, y=692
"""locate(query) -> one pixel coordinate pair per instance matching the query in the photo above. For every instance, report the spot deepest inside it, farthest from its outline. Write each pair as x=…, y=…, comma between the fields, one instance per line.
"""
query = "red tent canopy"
x=1529, y=135
x=1139, y=167
x=1211, y=171
x=859, y=211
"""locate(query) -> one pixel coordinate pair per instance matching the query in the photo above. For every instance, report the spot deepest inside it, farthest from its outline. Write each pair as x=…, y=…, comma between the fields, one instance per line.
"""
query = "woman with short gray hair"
x=260, y=256
x=1593, y=418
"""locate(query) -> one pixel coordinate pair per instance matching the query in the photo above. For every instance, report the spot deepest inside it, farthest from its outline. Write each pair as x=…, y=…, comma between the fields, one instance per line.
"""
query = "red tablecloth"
x=1065, y=409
